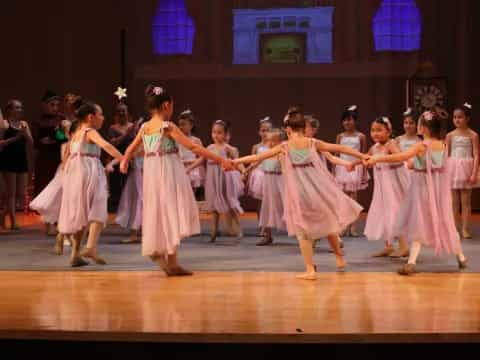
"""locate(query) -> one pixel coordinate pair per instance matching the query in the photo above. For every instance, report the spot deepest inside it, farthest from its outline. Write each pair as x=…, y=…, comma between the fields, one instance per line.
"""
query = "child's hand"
x=228, y=165
x=473, y=179
x=350, y=167
x=370, y=162
x=109, y=168
x=124, y=166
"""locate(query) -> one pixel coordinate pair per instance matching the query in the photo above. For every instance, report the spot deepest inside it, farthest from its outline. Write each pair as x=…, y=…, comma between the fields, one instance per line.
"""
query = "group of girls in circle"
x=288, y=172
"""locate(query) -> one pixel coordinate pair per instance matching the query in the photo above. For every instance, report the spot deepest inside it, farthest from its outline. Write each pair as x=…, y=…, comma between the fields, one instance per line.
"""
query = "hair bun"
x=408, y=112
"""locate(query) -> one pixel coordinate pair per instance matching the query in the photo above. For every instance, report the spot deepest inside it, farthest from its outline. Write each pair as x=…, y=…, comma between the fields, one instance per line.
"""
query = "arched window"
x=173, y=28
x=397, y=26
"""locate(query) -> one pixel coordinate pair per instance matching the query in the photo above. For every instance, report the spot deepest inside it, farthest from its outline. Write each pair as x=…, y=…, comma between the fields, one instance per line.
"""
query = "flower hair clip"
x=387, y=122
x=187, y=112
x=157, y=90
x=265, y=119
x=353, y=108
x=428, y=115
x=468, y=106
x=408, y=112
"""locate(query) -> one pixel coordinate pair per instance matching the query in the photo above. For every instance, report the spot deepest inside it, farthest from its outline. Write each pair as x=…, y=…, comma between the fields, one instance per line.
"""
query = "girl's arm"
x=336, y=160
x=259, y=158
x=182, y=139
x=335, y=148
x=353, y=164
x=475, y=142
x=132, y=148
x=234, y=154
x=363, y=143
x=110, y=166
x=398, y=157
x=96, y=138
x=448, y=142
x=198, y=162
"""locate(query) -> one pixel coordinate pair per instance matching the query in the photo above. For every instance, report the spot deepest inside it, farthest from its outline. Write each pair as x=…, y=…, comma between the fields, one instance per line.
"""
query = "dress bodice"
x=352, y=142
x=461, y=147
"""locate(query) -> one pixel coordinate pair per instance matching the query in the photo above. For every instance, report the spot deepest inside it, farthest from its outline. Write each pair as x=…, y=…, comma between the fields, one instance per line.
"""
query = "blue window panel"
x=173, y=29
x=397, y=26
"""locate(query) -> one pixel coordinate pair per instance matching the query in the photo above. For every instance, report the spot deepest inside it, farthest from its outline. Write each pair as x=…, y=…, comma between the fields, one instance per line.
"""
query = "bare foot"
x=59, y=245
x=384, y=253
x=92, y=254
x=341, y=263
x=307, y=276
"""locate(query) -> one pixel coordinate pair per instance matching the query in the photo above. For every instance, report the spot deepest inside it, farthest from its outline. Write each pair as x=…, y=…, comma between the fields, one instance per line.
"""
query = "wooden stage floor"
x=254, y=307
x=239, y=307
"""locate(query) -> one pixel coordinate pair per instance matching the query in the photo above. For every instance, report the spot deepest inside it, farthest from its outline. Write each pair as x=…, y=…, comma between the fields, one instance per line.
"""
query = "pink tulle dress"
x=170, y=212
x=255, y=180
x=461, y=163
x=271, y=211
x=197, y=175
x=355, y=180
x=222, y=189
x=129, y=214
x=425, y=214
x=314, y=204
x=391, y=182
x=85, y=191
x=48, y=202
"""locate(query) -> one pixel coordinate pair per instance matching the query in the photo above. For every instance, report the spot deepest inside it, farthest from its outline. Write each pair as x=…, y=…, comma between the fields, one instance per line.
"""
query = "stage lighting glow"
x=173, y=29
x=397, y=26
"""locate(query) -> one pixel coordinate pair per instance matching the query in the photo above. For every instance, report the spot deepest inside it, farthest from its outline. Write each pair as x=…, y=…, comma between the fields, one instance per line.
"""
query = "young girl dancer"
x=410, y=137
x=222, y=191
x=129, y=214
x=463, y=148
x=186, y=123
x=391, y=182
x=271, y=210
x=84, y=197
x=314, y=205
x=351, y=181
x=255, y=180
x=425, y=216
x=170, y=212
x=48, y=202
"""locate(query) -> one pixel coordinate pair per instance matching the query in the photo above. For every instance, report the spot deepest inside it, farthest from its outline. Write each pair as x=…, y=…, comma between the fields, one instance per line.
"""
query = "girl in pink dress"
x=170, y=212
x=186, y=123
x=425, y=216
x=463, y=149
x=391, y=183
x=312, y=126
x=129, y=214
x=255, y=179
x=84, y=192
x=314, y=206
x=271, y=211
x=222, y=190
x=409, y=137
x=351, y=182
x=48, y=202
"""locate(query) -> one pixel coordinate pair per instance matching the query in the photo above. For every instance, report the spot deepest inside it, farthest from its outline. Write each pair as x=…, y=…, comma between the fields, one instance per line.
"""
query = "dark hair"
x=409, y=113
x=83, y=108
x=295, y=121
x=156, y=96
x=467, y=110
x=314, y=123
x=224, y=124
x=385, y=121
x=351, y=111
x=435, y=125
x=187, y=115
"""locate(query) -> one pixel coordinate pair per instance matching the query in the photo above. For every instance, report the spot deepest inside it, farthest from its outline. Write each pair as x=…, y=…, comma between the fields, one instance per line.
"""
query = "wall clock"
x=427, y=93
